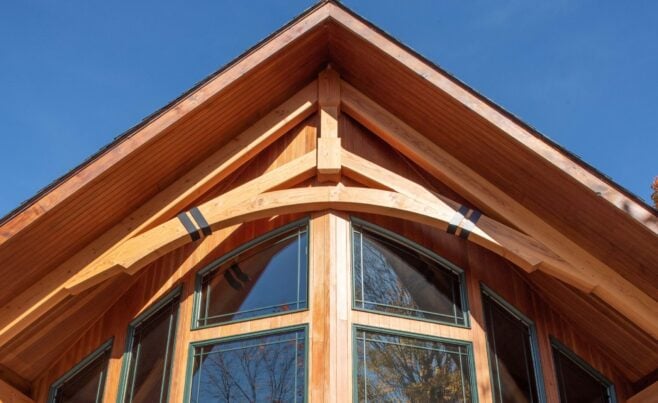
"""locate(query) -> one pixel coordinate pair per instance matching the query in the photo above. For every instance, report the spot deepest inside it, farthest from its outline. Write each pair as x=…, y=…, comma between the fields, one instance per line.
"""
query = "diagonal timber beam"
x=288, y=174
x=528, y=253
x=604, y=282
x=149, y=246
x=30, y=305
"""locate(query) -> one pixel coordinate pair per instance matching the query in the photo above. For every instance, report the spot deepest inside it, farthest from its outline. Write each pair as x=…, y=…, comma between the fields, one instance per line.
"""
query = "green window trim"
x=190, y=356
x=534, y=342
x=441, y=261
x=559, y=347
x=147, y=314
x=198, y=288
x=105, y=348
x=467, y=344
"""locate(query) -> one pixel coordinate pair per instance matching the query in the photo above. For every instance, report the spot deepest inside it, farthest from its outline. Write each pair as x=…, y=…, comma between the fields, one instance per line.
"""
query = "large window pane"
x=268, y=368
x=509, y=339
x=577, y=381
x=151, y=351
x=392, y=277
x=267, y=278
x=396, y=368
x=86, y=381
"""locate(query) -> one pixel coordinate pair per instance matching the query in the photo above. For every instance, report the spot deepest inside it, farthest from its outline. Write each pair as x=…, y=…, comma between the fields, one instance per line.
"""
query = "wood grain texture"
x=413, y=89
x=34, y=349
x=484, y=267
x=9, y=394
x=603, y=281
x=595, y=221
x=647, y=395
x=325, y=314
x=79, y=272
x=126, y=185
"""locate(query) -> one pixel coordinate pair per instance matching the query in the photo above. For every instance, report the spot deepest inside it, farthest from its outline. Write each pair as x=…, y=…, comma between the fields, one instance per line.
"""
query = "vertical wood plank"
x=542, y=323
x=340, y=262
x=319, y=360
x=181, y=348
x=480, y=353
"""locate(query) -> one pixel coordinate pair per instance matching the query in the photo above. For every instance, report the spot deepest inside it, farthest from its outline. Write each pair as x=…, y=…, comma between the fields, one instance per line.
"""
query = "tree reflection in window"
x=267, y=278
x=394, y=368
x=391, y=277
x=269, y=368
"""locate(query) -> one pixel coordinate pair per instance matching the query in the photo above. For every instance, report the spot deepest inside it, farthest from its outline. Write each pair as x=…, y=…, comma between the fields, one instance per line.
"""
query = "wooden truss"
x=159, y=227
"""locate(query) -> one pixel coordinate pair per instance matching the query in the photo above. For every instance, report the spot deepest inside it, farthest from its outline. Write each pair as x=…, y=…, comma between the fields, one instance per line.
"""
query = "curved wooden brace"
x=145, y=248
x=527, y=253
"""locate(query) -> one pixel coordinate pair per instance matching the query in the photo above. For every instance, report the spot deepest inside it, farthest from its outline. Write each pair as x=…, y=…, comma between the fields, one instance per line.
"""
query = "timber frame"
x=194, y=214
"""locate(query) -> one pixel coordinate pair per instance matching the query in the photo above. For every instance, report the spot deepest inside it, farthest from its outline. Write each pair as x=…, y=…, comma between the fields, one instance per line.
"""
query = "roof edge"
x=509, y=115
x=121, y=138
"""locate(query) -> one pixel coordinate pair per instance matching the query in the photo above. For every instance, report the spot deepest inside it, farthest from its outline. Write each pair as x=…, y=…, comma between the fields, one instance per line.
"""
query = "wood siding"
x=330, y=316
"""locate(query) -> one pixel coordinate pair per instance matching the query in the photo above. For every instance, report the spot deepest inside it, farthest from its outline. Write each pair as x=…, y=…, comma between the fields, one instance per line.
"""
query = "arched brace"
x=136, y=253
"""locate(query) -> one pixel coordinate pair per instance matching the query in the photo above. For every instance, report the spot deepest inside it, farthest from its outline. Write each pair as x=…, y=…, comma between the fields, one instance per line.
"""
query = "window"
x=577, y=381
x=392, y=277
x=257, y=368
x=511, y=345
x=86, y=381
x=265, y=277
x=396, y=367
x=149, y=353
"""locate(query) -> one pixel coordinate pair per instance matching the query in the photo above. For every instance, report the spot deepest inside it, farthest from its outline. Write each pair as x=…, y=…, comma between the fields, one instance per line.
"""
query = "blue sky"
x=75, y=74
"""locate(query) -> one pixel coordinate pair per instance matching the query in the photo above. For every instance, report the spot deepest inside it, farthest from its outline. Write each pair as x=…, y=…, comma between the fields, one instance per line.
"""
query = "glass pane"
x=510, y=354
x=578, y=384
x=268, y=368
x=86, y=384
x=151, y=355
x=394, y=278
x=266, y=279
x=393, y=368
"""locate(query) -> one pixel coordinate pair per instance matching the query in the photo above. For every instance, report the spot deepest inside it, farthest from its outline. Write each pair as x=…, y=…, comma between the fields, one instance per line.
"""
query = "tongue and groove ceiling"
x=594, y=213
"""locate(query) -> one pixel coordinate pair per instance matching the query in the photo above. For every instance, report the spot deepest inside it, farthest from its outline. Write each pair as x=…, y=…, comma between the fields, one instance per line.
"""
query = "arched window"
x=394, y=276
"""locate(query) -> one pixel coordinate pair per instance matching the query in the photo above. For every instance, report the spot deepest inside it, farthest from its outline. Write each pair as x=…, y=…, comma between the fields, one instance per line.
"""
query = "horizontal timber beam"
x=30, y=305
x=605, y=282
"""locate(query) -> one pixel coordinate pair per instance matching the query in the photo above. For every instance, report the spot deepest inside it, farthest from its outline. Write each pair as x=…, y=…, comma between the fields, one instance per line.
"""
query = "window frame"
x=80, y=366
x=199, y=276
x=126, y=359
x=558, y=346
x=412, y=335
x=187, y=390
x=534, y=341
x=441, y=261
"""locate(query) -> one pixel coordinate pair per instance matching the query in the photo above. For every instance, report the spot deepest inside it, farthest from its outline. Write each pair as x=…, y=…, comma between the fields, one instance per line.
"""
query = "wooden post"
x=329, y=146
